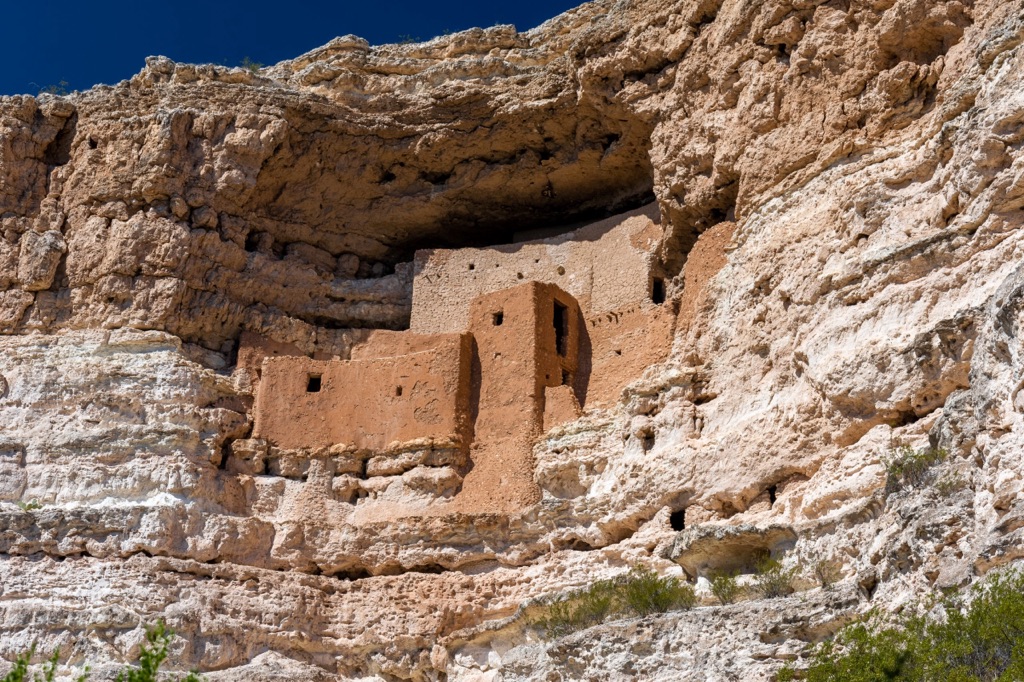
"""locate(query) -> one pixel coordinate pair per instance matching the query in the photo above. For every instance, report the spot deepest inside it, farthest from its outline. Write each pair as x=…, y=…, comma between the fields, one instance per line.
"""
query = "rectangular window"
x=313, y=383
x=561, y=329
x=658, y=291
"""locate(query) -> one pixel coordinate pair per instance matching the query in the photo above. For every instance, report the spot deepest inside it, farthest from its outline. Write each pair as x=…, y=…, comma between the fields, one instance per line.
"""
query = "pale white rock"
x=871, y=294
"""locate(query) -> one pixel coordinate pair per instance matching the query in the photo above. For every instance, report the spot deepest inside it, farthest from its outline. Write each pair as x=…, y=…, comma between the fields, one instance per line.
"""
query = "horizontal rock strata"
x=838, y=186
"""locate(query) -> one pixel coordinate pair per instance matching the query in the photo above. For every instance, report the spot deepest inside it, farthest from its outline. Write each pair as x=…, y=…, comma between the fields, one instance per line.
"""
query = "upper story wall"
x=605, y=266
x=527, y=339
x=620, y=345
x=305, y=403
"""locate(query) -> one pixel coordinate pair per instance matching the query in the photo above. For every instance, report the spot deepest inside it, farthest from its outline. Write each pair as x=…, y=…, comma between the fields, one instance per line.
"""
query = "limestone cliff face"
x=839, y=184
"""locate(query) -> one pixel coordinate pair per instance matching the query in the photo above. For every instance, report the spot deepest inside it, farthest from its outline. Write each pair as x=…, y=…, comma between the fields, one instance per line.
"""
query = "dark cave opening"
x=463, y=230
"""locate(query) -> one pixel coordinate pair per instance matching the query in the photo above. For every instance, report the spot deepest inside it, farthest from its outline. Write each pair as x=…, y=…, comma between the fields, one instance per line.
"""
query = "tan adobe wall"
x=254, y=348
x=560, y=406
x=619, y=345
x=622, y=344
x=516, y=343
x=382, y=343
x=605, y=266
x=703, y=262
x=420, y=396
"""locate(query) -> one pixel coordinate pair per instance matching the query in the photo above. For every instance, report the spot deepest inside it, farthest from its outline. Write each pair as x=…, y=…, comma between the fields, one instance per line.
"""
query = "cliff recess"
x=835, y=191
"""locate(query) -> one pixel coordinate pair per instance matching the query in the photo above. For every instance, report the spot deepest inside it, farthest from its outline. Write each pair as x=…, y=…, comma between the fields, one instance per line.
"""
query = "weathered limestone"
x=839, y=192
x=708, y=549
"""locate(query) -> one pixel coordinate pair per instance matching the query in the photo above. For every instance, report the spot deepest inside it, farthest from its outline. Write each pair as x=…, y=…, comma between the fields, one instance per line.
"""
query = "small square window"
x=313, y=383
x=497, y=318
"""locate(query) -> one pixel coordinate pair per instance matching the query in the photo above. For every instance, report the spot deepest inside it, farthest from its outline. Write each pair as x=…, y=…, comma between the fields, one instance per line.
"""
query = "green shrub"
x=640, y=592
x=645, y=592
x=828, y=572
x=20, y=671
x=60, y=89
x=250, y=65
x=982, y=641
x=950, y=483
x=905, y=466
x=725, y=586
x=151, y=656
x=580, y=610
x=772, y=579
x=29, y=506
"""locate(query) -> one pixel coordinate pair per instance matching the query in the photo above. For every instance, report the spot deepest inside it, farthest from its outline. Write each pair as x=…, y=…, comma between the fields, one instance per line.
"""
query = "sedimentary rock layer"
x=840, y=186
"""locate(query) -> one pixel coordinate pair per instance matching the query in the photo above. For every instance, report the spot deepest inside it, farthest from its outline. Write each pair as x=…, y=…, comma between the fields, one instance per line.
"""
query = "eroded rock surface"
x=839, y=186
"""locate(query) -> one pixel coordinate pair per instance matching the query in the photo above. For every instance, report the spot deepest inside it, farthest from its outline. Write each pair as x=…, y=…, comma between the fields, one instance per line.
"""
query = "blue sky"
x=43, y=43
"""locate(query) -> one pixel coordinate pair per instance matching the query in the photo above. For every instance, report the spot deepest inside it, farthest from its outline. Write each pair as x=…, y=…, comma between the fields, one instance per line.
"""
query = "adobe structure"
x=504, y=344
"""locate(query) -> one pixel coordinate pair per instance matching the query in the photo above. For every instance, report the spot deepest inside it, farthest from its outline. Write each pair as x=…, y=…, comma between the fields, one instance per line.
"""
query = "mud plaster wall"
x=560, y=406
x=413, y=397
x=703, y=262
x=518, y=358
x=386, y=344
x=622, y=344
x=605, y=265
x=254, y=348
x=619, y=345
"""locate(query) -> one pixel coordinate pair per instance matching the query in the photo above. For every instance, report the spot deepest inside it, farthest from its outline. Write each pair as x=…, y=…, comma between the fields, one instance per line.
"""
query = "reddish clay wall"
x=515, y=338
x=253, y=348
x=369, y=404
x=382, y=343
x=560, y=406
x=705, y=259
x=622, y=344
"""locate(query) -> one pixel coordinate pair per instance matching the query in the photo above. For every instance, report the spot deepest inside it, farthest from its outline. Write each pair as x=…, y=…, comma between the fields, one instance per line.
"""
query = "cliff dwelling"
x=504, y=344
x=376, y=363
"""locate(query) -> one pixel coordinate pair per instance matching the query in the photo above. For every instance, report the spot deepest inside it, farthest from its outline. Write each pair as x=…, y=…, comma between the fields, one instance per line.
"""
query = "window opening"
x=658, y=290
x=678, y=519
x=313, y=384
x=497, y=318
x=398, y=391
x=561, y=329
x=252, y=241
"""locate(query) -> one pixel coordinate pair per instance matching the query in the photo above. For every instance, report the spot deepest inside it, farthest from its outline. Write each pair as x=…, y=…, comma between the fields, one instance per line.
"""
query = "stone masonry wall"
x=304, y=403
x=605, y=266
